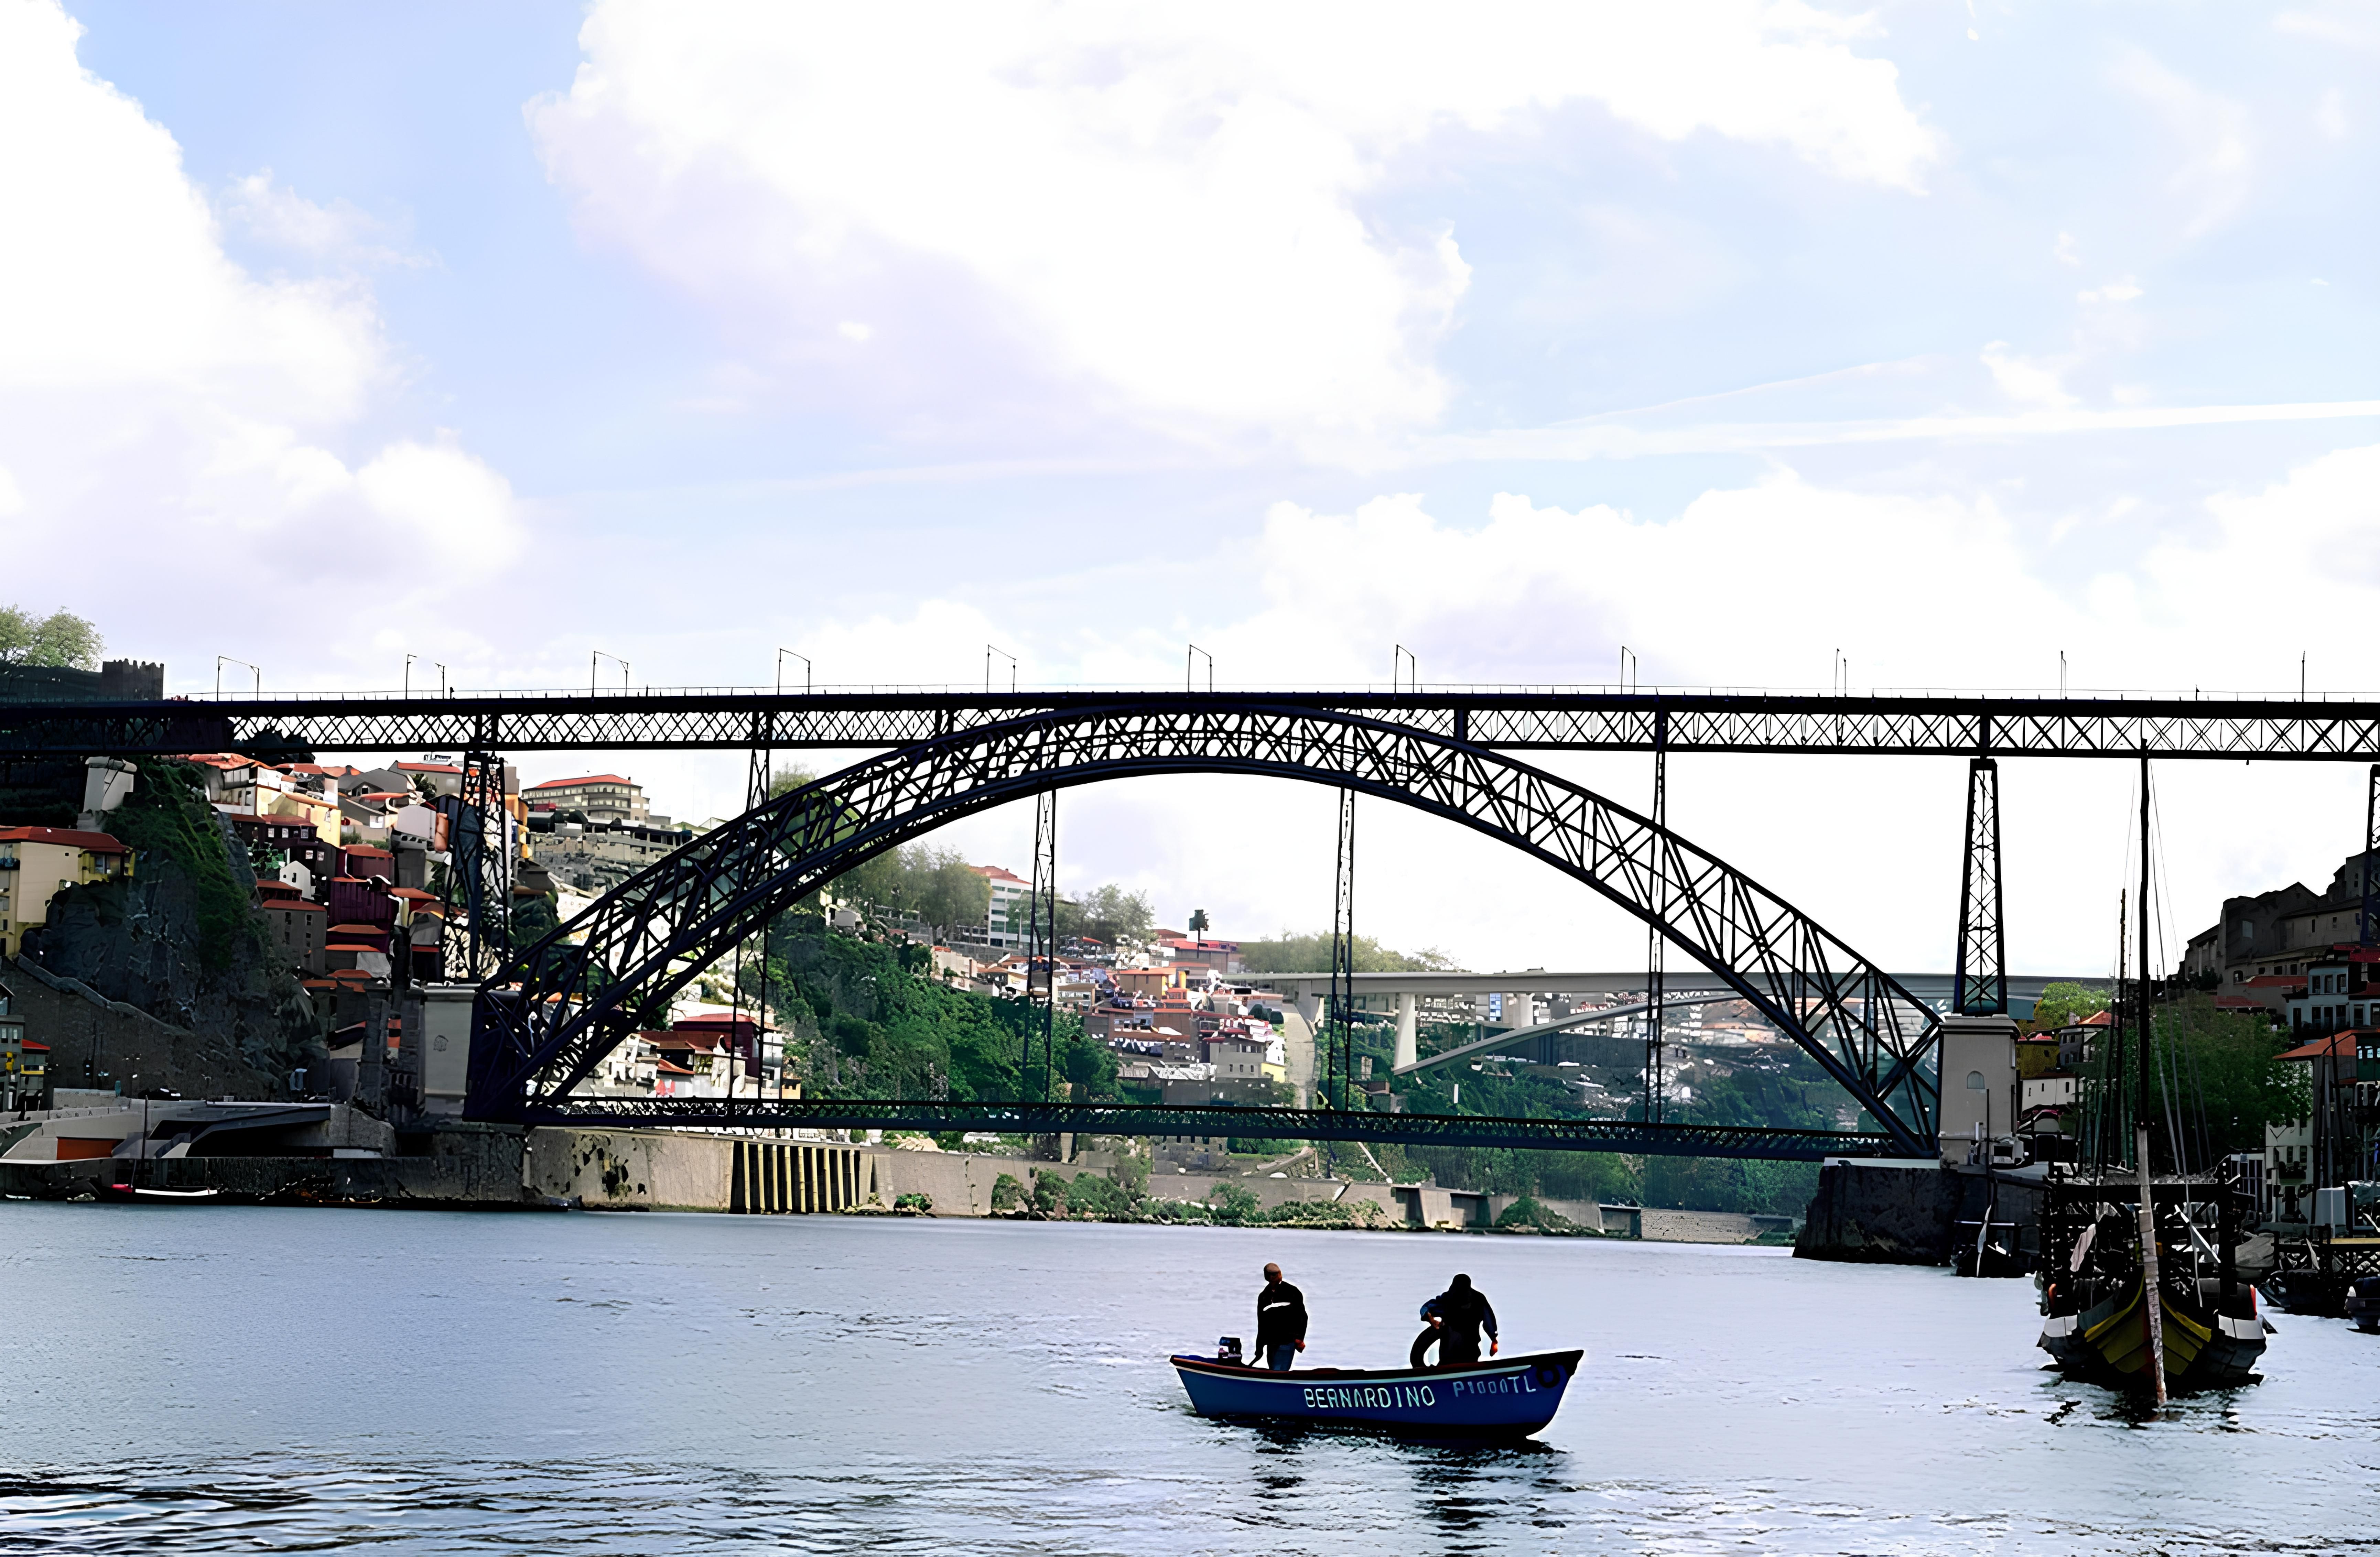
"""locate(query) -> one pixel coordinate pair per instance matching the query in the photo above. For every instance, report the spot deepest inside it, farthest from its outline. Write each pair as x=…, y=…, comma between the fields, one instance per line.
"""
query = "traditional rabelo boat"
x=1500, y=1398
x=2097, y=1303
x=2140, y=1283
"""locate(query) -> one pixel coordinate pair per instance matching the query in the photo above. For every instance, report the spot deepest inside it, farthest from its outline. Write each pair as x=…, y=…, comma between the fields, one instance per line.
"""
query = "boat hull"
x=142, y=1194
x=1505, y=1398
x=2109, y=1341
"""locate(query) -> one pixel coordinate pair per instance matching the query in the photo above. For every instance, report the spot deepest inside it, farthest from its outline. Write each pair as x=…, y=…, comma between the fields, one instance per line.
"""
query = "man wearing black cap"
x=1281, y=1322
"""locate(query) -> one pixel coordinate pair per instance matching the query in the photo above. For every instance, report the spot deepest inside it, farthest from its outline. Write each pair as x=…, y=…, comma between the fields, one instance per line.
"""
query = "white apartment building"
x=1009, y=921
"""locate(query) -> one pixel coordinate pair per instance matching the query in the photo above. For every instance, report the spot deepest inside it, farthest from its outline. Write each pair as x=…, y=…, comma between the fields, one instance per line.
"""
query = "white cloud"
x=1617, y=437
x=2124, y=291
x=2349, y=22
x=1155, y=212
x=114, y=276
x=2066, y=252
x=278, y=216
x=2330, y=113
x=2028, y=381
x=2312, y=529
x=2213, y=132
x=445, y=503
x=162, y=408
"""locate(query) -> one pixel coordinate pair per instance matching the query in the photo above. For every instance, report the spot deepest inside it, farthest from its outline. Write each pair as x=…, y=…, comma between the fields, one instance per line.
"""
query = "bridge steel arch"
x=543, y=1023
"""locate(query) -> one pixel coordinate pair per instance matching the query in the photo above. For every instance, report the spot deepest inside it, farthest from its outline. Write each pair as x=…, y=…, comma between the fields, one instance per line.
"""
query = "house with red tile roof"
x=37, y=863
x=600, y=797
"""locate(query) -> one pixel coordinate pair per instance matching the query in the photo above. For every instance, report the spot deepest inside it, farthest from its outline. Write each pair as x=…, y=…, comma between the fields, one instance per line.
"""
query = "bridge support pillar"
x=1979, y=981
x=1408, y=1033
x=1980, y=1090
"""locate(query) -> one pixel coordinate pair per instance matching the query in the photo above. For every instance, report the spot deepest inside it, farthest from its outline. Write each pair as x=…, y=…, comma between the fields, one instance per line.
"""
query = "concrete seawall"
x=334, y=1154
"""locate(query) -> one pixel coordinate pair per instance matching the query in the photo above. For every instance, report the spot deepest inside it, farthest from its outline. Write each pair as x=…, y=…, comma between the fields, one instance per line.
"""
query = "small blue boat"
x=1503, y=1397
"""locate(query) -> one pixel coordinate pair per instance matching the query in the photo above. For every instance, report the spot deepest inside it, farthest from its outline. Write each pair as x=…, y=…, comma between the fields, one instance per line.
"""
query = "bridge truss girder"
x=1753, y=1142
x=574, y=1003
x=288, y=728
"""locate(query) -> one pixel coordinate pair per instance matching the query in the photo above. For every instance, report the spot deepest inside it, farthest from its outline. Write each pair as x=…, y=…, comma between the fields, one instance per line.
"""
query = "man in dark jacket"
x=1458, y=1314
x=1281, y=1322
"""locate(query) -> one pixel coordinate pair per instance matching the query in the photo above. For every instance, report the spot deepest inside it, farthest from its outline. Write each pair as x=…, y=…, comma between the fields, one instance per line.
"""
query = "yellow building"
x=23, y=1061
x=37, y=863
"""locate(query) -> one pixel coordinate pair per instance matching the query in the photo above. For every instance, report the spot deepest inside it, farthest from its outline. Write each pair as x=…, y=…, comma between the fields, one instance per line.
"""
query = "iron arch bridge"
x=543, y=1023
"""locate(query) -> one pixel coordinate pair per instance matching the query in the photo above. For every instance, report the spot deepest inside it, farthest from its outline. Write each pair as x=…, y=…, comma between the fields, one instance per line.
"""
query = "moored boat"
x=144, y=1192
x=2097, y=1327
x=1500, y=1398
x=2139, y=1275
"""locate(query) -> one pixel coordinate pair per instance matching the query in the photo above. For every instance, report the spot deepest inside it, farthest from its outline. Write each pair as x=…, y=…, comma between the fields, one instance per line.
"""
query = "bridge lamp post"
x=594, y=658
x=1189, y=669
x=781, y=669
x=224, y=659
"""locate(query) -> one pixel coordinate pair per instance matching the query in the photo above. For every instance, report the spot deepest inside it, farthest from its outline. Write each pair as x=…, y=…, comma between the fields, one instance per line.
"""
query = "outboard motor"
x=1228, y=1350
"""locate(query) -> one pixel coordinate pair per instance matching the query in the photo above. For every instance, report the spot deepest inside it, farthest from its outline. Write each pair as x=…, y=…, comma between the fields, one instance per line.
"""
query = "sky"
x=1936, y=340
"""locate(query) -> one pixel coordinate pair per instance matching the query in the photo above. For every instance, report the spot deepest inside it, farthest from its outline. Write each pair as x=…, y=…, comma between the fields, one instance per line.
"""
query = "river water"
x=204, y=1379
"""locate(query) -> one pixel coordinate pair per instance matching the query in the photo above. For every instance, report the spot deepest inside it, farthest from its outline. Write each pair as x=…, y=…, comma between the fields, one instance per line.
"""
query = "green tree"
x=1235, y=1207
x=1095, y=1196
x=1198, y=921
x=868, y=1021
x=1107, y=913
x=1090, y=1067
x=947, y=891
x=1289, y=953
x=935, y=885
x=533, y=919
x=2220, y=1067
x=58, y=641
x=783, y=781
x=2063, y=1003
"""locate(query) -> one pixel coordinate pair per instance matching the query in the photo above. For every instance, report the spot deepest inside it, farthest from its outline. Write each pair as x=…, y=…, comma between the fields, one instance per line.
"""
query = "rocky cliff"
x=181, y=939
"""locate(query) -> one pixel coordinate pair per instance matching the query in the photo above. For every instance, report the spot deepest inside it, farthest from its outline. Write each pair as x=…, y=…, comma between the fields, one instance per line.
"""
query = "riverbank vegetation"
x=867, y=1018
x=1054, y=1195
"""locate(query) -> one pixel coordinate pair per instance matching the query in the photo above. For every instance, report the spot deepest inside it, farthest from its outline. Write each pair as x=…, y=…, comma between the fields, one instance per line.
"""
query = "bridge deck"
x=1209, y=1123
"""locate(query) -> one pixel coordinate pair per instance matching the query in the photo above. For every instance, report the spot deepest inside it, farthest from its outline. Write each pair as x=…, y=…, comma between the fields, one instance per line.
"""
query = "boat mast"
x=2111, y=1145
x=2152, y=1306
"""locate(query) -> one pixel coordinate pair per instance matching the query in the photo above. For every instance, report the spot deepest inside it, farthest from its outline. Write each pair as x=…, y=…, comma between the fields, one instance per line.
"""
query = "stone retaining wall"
x=1893, y=1213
